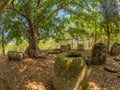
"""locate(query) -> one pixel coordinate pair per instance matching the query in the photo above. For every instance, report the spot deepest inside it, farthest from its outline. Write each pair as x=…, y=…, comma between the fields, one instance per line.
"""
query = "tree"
x=86, y=25
x=111, y=17
x=36, y=19
x=2, y=7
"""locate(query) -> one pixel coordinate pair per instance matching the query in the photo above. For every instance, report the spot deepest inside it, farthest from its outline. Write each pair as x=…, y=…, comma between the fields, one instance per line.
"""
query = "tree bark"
x=95, y=37
x=33, y=49
x=108, y=34
x=108, y=43
x=3, y=44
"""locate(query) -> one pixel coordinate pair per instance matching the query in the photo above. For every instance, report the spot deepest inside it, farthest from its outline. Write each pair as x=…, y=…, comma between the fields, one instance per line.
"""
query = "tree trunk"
x=108, y=35
x=3, y=44
x=95, y=39
x=90, y=42
x=108, y=43
x=33, y=49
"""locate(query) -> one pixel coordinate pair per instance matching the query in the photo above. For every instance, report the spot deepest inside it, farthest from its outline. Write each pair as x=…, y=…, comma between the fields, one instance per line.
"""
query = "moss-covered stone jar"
x=16, y=56
x=99, y=54
x=115, y=49
x=71, y=72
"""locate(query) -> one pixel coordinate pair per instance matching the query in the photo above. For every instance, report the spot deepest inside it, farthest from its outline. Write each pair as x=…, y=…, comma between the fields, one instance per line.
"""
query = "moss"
x=99, y=53
x=13, y=55
x=68, y=69
x=68, y=66
x=115, y=49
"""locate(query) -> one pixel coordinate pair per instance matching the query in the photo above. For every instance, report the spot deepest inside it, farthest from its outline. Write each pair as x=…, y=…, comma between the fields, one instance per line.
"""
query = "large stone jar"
x=16, y=56
x=99, y=54
x=71, y=72
x=115, y=49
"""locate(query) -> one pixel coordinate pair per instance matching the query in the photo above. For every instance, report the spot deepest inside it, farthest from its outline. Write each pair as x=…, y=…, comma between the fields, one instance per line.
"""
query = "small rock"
x=117, y=58
x=118, y=75
x=111, y=69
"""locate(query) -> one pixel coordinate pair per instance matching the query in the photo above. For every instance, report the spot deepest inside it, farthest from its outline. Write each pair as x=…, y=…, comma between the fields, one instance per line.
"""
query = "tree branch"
x=38, y=3
x=3, y=6
x=62, y=7
x=24, y=28
x=26, y=16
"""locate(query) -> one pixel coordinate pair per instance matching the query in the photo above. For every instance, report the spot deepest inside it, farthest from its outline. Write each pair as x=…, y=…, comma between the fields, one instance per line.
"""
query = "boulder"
x=80, y=47
x=99, y=54
x=115, y=49
x=17, y=56
x=70, y=72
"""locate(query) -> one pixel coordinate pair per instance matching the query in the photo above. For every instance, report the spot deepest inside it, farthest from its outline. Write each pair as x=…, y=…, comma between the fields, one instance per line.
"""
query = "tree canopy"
x=36, y=20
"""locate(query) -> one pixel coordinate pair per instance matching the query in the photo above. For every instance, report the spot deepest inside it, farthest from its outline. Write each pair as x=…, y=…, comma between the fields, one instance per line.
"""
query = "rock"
x=117, y=58
x=115, y=49
x=80, y=47
x=99, y=54
x=17, y=56
x=70, y=72
x=118, y=75
x=111, y=68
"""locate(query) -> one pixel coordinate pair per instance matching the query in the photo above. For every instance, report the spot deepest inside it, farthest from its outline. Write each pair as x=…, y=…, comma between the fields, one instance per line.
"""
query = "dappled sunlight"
x=36, y=74
x=30, y=60
x=31, y=73
x=33, y=33
x=35, y=86
x=23, y=68
x=94, y=86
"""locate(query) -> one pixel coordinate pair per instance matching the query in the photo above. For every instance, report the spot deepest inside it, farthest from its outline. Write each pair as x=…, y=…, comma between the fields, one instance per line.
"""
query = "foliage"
x=61, y=20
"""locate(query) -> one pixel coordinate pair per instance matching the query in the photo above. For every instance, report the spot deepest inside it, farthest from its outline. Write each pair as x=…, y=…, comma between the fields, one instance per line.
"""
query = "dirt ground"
x=101, y=79
x=35, y=74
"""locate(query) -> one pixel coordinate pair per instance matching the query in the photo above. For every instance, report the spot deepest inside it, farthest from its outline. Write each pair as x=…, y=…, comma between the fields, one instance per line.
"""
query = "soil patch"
x=35, y=74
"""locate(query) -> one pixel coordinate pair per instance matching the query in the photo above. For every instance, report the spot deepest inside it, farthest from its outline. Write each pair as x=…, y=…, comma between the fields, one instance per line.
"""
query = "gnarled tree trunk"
x=3, y=43
x=33, y=49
